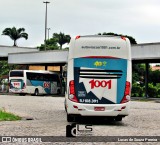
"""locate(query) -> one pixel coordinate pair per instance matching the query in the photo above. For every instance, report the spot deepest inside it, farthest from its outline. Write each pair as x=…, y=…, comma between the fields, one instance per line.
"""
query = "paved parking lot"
x=49, y=118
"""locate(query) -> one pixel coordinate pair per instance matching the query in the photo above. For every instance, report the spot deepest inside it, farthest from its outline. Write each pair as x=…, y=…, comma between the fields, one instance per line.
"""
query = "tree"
x=138, y=73
x=15, y=34
x=5, y=67
x=51, y=44
x=132, y=40
x=154, y=77
x=61, y=38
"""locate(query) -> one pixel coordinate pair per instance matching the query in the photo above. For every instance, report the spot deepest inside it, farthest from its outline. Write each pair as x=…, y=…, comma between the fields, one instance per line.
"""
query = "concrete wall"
x=140, y=52
x=55, y=56
x=5, y=50
x=146, y=51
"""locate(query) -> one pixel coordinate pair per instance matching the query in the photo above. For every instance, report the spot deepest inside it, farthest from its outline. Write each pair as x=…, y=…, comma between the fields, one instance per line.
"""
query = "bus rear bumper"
x=17, y=91
x=89, y=109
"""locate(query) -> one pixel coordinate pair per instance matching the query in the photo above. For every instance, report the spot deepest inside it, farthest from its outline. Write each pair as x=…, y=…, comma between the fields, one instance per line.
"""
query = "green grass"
x=5, y=116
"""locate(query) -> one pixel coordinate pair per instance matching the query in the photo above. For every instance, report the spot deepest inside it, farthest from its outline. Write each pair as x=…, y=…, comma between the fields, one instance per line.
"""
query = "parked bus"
x=99, y=77
x=34, y=82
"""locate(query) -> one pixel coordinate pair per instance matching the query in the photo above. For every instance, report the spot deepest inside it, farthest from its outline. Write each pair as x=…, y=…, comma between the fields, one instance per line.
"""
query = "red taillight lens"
x=124, y=38
x=126, y=97
x=71, y=87
x=72, y=95
x=127, y=89
x=77, y=37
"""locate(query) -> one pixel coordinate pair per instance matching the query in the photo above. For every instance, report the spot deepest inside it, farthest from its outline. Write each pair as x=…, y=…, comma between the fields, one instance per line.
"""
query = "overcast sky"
x=139, y=18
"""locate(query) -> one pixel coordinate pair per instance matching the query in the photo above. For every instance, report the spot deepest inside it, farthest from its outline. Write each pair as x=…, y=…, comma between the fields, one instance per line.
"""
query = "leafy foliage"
x=15, y=34
x=152, y=90
x=132, y=40
x=5, y=68
x=51, y=44
x=138, y=87
x=154, y=77
x=138, y=73
x=56, y=42
x=137, y=90
x=61, y=38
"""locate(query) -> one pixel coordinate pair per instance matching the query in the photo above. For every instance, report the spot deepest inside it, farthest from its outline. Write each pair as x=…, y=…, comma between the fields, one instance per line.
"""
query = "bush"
x=152, y=90
x=137, y=90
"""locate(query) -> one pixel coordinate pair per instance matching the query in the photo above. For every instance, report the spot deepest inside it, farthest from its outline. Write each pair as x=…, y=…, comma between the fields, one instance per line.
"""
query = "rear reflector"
x=75, y=106
x=123, y=107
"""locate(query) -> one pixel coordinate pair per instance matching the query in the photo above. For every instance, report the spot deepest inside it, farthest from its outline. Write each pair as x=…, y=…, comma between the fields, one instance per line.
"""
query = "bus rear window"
x=16, y=74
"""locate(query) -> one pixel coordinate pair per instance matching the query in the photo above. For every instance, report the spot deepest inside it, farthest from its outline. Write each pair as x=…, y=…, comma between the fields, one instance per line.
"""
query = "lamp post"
x=48, y=32
x=46, y=2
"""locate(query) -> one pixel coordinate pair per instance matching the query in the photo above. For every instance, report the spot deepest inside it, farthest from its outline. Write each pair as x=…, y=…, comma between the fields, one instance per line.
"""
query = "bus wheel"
x=70, y=118
x=36, y=92
x=65, y=105
x=58, y=92
x=22, y=94
x=118, y=118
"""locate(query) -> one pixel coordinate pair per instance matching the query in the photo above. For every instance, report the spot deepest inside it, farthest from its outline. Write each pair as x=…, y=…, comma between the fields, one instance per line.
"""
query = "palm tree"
x=61, y=38
x=15, y=34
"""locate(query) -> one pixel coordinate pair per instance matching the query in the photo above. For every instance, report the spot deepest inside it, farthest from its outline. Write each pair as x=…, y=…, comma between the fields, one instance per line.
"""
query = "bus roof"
x=100, y=45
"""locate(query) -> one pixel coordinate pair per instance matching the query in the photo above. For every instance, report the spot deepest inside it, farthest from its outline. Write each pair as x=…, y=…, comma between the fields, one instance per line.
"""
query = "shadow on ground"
x=99, y=121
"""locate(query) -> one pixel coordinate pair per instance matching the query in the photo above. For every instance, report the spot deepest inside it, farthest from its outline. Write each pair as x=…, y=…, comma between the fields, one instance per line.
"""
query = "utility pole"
x=48, y=32
x=46, y=2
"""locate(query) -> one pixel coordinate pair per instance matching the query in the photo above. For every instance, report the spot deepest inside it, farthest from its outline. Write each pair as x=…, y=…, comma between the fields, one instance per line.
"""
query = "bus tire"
x=22, y=94
x=65, y=105
x=58, y=92
x=36, y=92
x=118, y=118
x=70, y=118
x=110, y=119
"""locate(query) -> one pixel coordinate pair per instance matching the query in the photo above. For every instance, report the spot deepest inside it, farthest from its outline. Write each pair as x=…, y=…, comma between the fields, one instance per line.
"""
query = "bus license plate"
x=16, y=89
x=99, y=108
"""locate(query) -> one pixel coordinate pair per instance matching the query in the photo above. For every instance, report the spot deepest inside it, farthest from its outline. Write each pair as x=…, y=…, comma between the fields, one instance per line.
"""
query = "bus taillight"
x=77, y=37
x=72, y=95
x=126, y=97
x=124, y=38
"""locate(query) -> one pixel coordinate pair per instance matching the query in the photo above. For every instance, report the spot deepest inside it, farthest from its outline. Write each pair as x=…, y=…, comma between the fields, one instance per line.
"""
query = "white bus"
x=34, y=82
x=99, y=77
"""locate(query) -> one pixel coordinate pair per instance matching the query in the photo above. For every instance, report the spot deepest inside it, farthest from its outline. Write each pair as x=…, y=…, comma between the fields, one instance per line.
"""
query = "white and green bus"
x=34, y=82
x=99, y=77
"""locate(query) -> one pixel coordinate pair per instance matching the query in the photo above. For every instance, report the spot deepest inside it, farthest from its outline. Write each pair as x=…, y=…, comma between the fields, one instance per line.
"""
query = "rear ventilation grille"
x=100, y=74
